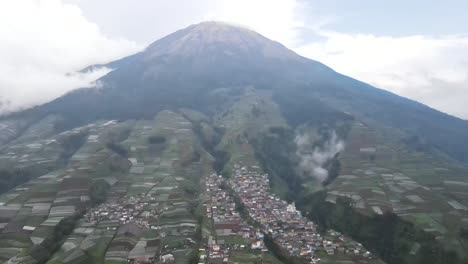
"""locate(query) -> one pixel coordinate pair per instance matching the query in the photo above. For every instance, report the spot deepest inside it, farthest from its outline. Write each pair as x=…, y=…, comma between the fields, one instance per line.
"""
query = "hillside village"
x=165, y=204
x=292, y=233
x=231, y=234
x=147, y=216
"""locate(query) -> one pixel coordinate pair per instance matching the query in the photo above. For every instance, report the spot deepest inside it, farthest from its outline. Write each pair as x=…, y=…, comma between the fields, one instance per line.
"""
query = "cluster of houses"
x=290, y=231
x=232, y=233
x=128, y=209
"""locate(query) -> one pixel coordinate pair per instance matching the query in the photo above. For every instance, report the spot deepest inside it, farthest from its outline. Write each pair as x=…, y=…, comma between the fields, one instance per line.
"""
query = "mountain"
x=181, y=69
x=216, y=98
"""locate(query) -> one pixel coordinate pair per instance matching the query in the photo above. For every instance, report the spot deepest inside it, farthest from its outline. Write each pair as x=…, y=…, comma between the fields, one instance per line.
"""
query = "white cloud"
x=432, y=70
x=41, y=43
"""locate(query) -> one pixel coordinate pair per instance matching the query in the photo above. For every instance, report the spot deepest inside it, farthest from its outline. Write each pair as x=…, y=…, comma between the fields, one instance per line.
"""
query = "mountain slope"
x=185, y=68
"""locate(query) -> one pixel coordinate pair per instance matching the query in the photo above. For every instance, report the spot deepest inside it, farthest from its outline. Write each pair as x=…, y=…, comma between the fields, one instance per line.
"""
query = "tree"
x=98, y=191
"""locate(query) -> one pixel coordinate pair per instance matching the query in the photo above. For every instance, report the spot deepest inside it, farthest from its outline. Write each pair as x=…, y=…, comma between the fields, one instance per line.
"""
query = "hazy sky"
x=418, y=49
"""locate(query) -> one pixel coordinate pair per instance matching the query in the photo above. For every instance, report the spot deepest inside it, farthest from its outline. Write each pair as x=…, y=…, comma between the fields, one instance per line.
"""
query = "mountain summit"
x=207, y=38
x=214, y=52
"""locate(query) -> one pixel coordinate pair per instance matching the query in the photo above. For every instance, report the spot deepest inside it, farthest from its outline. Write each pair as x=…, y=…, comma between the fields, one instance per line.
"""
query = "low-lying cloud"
x=39, y=86
x=312, y=159
x=44, y=44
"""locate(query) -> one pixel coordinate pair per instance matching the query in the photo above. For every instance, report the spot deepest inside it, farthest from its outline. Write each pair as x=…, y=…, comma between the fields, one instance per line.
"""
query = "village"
x=126, y=210
x=232, y=233
x=293, y=234
x=151, y=211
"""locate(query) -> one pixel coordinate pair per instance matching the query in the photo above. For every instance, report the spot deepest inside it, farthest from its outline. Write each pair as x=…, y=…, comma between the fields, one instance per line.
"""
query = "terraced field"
x=134, y=191
x=120, y=196
x=381, y=175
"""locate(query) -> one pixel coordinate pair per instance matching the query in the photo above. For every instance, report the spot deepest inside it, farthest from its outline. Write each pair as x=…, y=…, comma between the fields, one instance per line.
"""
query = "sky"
x=417, y=49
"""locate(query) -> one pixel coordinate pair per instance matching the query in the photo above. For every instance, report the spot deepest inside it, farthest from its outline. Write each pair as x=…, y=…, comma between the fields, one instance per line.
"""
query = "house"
x=168, y=258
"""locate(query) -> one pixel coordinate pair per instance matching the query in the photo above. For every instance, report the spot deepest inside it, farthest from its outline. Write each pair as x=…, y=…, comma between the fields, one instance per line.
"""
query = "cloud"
x=313, y=158
x=432, y=70
x=42, y=44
